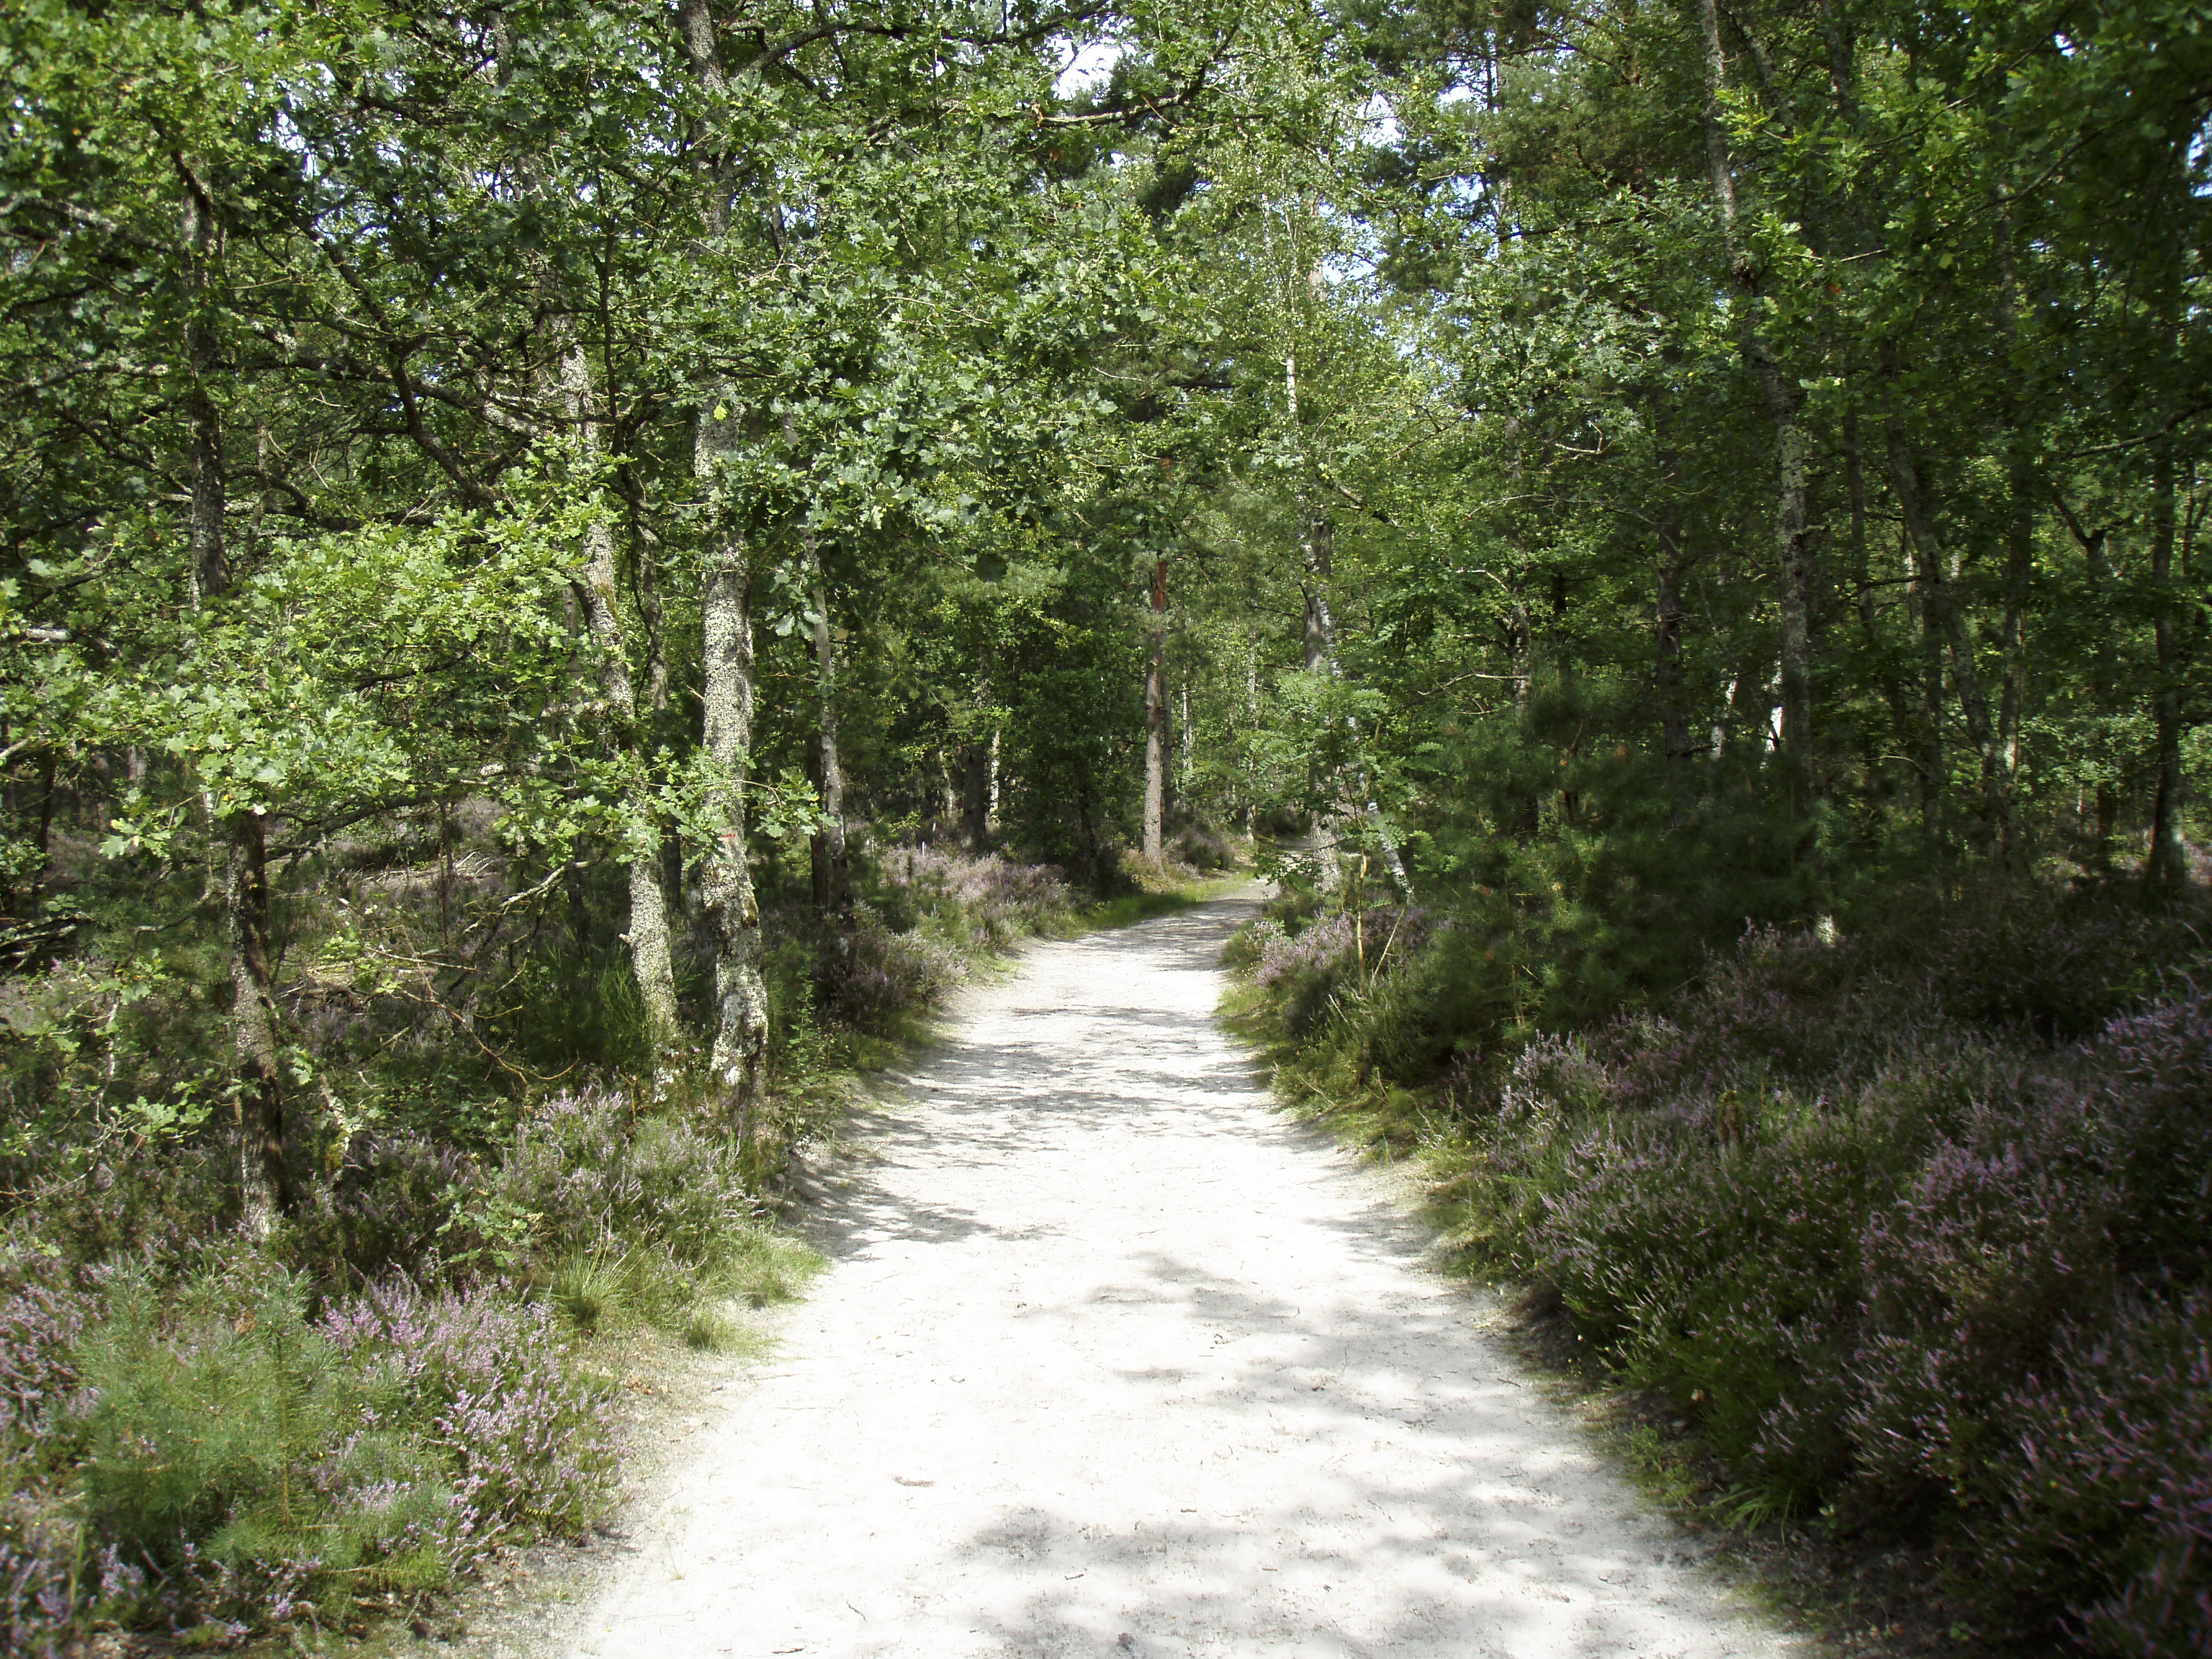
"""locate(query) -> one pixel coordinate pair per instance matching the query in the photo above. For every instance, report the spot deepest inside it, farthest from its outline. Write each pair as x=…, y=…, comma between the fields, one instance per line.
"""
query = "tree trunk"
x=832, y=865
x=726, y=887
x=1156, y=710
x=263, y=1184
x=651, y=963
x=1793, y=558
x=1947, y=631
x=1667, y=607
x=2167, y=869
x=2108, y=808
x=264, y=1191
x=1667, y=660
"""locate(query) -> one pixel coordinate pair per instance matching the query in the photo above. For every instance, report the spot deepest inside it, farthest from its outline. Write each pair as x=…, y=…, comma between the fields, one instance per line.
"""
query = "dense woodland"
x=566, y=563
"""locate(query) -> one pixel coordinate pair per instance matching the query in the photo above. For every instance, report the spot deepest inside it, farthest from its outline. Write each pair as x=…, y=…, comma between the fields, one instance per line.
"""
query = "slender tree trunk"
x=1932, y=763
x=1793, y=558
x=2021, y=487
x=1156, y=708
x=2167, y=868
x=832, y=865
x=1667, y=662
x=726, y=888
x=1667, y=608
x=264, y=1190
x=2108, y=808
x=991, y=818
x=1949, y=630
x=652, y=962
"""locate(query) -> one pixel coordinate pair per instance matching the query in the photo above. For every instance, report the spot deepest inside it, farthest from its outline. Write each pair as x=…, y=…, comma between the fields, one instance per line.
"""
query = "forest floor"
x=1111, y=1358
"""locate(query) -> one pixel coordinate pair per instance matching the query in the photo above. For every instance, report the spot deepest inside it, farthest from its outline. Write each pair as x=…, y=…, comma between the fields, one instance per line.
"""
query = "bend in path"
x=1111, y=1359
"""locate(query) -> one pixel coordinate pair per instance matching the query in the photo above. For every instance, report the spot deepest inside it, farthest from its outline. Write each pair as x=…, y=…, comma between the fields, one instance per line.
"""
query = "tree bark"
x=832, y=867
x=2167, y=869
x=1156, y=710
x=264, y=1185
x=1794, y=557
x=1945, y=631
x=1667, y=607
x=652, y=964
x=726, y=887
x=264, y=1189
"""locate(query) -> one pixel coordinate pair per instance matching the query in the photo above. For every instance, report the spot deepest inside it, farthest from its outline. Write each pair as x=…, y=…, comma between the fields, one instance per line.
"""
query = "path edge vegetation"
x=1874, y=1252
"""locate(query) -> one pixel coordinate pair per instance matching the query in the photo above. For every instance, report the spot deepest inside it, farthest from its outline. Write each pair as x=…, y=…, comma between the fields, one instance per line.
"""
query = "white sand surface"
x=1112, y=1359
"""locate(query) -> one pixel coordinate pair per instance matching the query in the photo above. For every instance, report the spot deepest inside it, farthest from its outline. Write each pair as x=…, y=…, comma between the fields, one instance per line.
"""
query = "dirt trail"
x=1113, y=1360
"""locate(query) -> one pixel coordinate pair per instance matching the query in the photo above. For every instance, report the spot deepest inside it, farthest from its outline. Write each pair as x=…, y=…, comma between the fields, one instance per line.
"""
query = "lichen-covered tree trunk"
x=832, y=864
x=726, y=888
x=1793, y=537
x=2167, y=869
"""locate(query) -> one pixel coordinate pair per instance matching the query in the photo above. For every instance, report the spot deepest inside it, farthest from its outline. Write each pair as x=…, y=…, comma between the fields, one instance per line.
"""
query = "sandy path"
x=1113, y=1360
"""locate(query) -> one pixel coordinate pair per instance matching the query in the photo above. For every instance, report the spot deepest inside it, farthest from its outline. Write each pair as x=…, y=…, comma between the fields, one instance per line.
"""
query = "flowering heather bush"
x=1307, y=970
x=601, y=1177
x=883, y=976
x=2099, y=1507
x=527, y=1441
x=45, y=1308
x=1916, y=1224
x=42, y=1314
x=982, y=893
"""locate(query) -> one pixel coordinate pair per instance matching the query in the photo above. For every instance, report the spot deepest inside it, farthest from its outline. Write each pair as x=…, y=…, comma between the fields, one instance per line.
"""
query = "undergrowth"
x=1909, y=1218
x=205, y=1438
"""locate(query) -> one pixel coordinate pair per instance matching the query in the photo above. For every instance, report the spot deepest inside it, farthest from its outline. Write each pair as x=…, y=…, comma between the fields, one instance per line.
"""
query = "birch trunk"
x=2167, y=869
x=1667, y=605
x=832, y=867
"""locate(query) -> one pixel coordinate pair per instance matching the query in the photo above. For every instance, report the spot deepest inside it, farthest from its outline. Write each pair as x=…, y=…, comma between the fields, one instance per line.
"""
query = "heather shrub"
x=244, y=1462
x=390, y=1209
x=45, y=1307
x=981, y=900
x=1203, y=849
x=641, y=1212
x=2094, y=1509
x=1913, y=1221
x=881, y=978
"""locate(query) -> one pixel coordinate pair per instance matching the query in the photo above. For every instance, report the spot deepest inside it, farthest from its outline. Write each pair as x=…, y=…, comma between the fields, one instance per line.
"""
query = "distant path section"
x=1112, y=1359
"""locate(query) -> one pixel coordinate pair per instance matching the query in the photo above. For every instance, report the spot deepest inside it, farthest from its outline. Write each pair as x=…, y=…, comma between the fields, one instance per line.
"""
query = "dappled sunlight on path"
x=1112, y=1359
